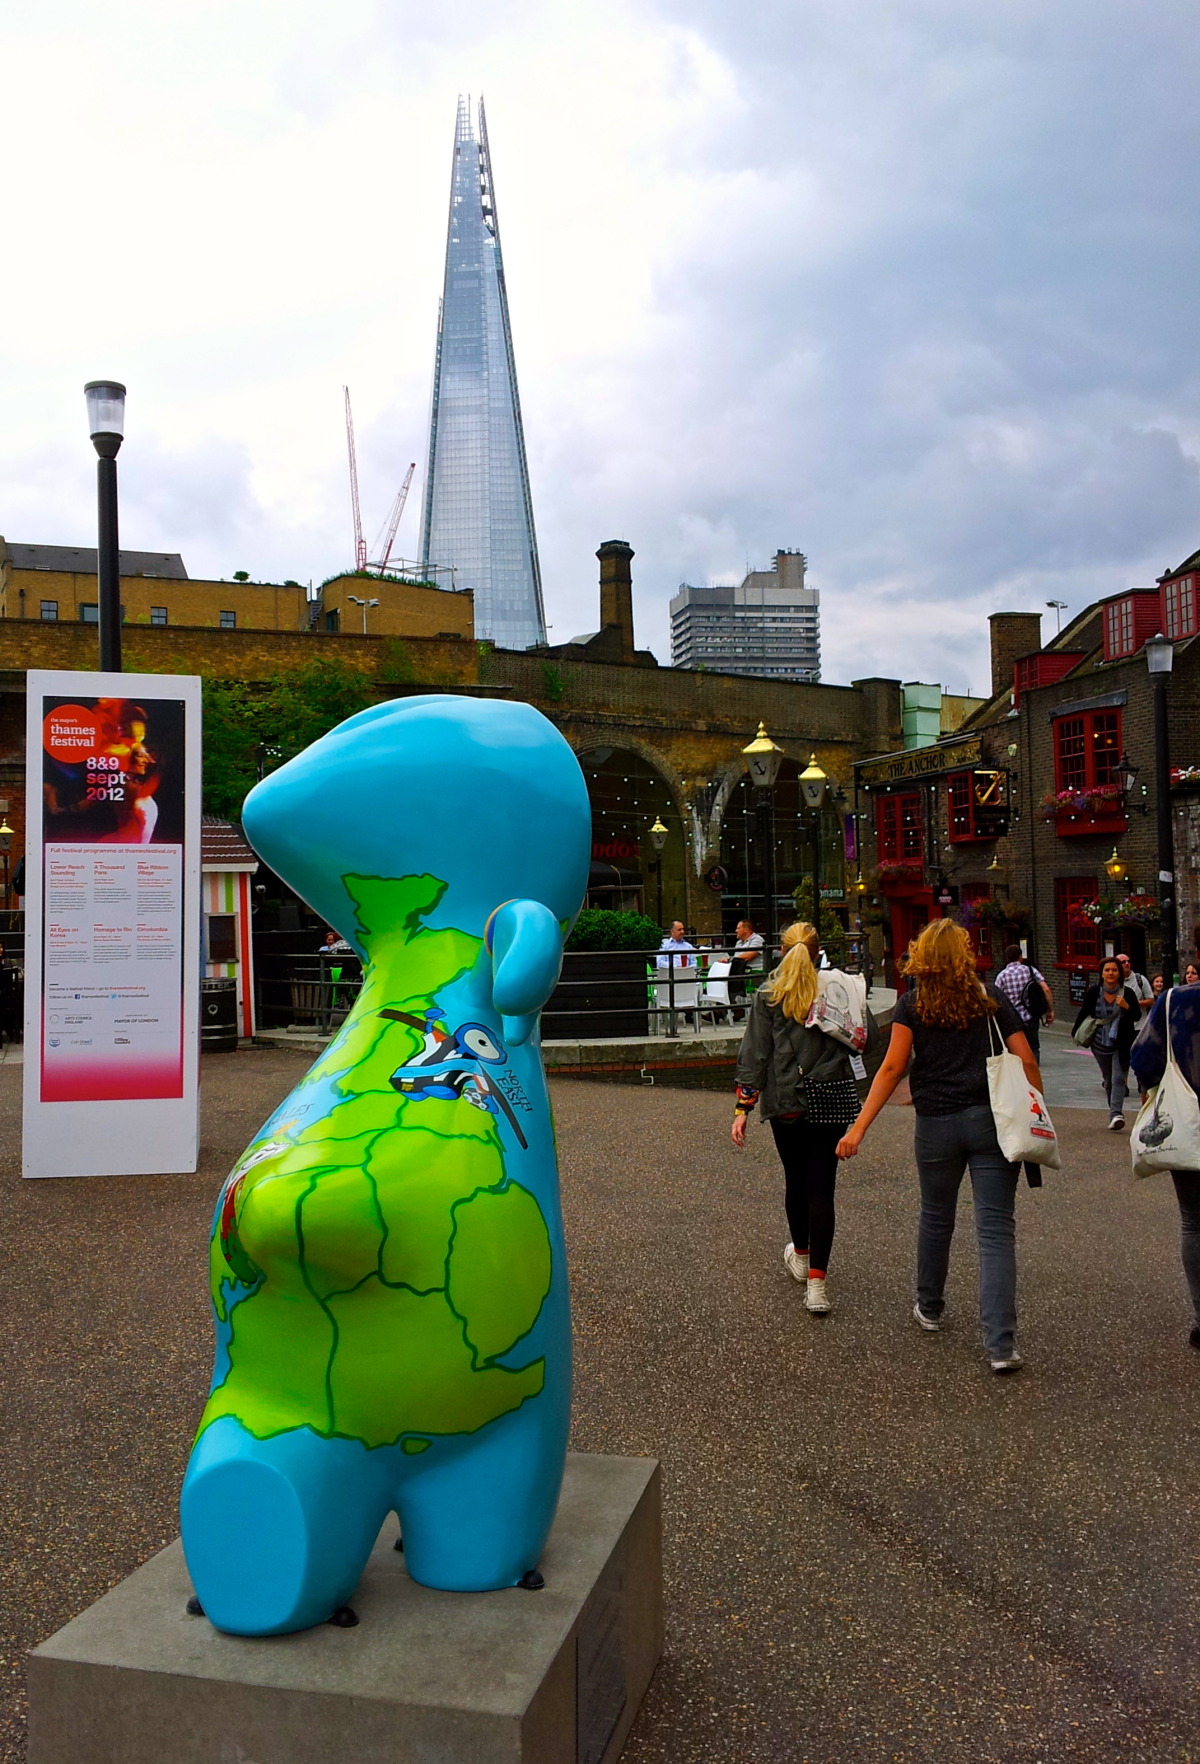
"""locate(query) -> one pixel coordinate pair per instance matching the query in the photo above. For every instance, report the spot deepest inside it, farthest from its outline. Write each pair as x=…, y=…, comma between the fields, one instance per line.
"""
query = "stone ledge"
x=515, y=1677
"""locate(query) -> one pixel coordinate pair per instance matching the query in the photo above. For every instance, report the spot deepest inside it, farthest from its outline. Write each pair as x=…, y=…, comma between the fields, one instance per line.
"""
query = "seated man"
x=681, y=962
x=747, y=959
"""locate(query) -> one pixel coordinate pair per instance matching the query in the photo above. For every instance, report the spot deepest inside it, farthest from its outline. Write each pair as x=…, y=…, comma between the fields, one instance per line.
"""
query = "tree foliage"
x=253, y=727
x=832, y=931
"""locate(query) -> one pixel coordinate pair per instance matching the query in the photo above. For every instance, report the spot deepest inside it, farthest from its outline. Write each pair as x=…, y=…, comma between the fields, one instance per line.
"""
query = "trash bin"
x=218, y=1016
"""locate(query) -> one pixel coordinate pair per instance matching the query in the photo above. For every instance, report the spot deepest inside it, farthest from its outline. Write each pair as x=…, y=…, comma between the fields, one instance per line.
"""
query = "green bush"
x=597, y=928
x=832, y=931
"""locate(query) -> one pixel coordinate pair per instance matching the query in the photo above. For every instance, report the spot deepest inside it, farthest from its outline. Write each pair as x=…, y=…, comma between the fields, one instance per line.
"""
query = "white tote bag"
x=1166, y=1134
x=1023, y=1125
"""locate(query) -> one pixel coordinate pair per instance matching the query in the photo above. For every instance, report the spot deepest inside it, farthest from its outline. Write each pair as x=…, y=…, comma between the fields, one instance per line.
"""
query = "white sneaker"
x=1115, y=1124
x=1010, y=1363
x=925, y=1320
x=816, y=1299
x=795, y=1263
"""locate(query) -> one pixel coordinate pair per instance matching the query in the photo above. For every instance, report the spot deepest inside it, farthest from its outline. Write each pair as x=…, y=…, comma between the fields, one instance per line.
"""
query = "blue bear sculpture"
x=387, y=1264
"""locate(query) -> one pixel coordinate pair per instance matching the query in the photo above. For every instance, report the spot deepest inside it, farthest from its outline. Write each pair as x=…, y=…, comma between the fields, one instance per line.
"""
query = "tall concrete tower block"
x=478, y=515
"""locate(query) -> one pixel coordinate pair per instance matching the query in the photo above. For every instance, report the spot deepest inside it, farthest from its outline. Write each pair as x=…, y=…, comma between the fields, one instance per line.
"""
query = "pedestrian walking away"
x=943, y=1023
x=1113, y=1008
x=1028, y=992
x=1149, y=1061
x=804, y=1083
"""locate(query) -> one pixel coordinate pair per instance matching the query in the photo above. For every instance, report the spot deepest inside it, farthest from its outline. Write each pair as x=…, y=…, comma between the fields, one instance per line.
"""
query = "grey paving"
x=1072, y=1077
x=875, y=1550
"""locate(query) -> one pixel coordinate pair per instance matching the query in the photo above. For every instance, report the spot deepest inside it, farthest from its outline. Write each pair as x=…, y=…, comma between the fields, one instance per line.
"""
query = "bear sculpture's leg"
x=277, y=1531
x=477, y=1517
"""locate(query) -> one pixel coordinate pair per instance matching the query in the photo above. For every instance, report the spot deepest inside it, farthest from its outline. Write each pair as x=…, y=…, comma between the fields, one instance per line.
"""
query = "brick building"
x=655, y=743
x=56, y=584
x=1009, y=825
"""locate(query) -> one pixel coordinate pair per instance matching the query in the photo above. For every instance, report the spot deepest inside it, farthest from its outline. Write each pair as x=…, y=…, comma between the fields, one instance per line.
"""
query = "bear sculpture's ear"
x=525, y=942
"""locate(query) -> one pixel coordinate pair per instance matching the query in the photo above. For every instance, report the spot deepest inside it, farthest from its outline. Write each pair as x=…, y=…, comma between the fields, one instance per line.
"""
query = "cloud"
x=907, y=286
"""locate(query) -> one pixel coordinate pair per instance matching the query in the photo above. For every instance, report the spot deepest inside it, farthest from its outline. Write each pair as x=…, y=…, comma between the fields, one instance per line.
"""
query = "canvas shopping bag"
x=840, y=1008
x=1023, y=1125
x=1166, y=1134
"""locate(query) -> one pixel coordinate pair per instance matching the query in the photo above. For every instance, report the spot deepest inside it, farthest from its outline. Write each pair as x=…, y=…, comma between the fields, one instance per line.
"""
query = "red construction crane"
x=360, y=544
x=389, y=536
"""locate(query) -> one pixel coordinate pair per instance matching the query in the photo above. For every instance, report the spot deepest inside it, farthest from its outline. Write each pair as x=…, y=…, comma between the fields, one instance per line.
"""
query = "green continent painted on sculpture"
x=371, y=1260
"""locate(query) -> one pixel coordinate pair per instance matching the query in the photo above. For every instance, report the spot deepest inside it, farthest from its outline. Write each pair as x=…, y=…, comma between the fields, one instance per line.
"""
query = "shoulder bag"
x=1023, y=1125
x=1166, y=1134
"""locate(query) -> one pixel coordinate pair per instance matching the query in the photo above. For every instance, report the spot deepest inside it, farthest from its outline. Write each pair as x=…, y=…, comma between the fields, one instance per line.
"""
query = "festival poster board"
x=112, y=924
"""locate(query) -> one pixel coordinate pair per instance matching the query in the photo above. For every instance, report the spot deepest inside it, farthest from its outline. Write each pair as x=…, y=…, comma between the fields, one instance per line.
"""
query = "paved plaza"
x=876, y=1550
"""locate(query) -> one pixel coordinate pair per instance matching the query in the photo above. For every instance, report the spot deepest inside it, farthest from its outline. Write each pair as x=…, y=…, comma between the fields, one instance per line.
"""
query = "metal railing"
x=600, y=994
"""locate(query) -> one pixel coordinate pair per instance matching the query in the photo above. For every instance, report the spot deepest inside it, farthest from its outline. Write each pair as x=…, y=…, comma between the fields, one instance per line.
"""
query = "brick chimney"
x=616, y=592
x=1013, y=634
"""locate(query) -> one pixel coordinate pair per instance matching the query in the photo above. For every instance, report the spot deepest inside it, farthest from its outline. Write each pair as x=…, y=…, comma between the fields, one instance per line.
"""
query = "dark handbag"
x=831, y=1104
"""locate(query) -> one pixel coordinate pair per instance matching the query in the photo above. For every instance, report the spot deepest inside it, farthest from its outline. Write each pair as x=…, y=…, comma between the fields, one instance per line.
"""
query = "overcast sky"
x=908, y=285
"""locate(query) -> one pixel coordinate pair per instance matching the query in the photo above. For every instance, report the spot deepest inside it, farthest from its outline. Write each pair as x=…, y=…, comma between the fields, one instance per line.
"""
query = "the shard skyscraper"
x=478, y=517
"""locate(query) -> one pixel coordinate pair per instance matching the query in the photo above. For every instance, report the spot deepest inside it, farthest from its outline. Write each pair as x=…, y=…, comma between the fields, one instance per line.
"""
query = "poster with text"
x=112, y=910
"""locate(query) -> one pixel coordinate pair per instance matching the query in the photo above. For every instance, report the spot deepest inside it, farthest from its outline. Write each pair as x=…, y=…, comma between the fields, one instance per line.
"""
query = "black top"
x=1127, y=1027
x=949, y=1066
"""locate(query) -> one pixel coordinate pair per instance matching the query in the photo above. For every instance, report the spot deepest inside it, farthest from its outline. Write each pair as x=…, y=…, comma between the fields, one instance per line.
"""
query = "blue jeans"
x=945, y=1146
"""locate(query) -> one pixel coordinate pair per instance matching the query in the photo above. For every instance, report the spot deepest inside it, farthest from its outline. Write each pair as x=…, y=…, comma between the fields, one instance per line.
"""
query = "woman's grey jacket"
x=778, y=1055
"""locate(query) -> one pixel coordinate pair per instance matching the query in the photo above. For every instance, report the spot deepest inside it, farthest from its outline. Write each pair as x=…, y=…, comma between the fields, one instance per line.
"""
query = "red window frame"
x=1078, y=945
x=1087, y=750
x=1179, y=607
x=1119, y=628
x=967, y=819
x=899, y=837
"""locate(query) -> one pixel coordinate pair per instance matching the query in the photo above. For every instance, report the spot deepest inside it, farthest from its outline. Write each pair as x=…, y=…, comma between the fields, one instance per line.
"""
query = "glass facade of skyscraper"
x=478, y=517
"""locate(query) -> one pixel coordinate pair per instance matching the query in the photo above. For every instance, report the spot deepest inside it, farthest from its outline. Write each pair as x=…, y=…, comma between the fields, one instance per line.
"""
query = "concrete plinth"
x=549, y=1677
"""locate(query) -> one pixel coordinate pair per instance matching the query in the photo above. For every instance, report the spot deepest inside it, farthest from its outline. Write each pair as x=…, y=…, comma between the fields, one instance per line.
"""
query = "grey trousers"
x=1112, y=1075
x=946, y=1145
x=1187, y=1190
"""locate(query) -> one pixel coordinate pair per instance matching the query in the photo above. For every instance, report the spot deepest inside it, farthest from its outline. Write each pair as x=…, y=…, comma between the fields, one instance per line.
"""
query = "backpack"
x=1033, y=1000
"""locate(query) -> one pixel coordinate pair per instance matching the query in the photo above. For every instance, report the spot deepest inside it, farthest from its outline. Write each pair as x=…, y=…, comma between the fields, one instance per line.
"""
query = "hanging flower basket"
x=909, y=870
x=1107, y=913
x=1181, y=775
x=985, y=912
x=1099, y=797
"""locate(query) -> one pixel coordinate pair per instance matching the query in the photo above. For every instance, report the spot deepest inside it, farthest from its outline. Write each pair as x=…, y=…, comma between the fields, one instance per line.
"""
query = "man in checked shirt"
x=1015, y=980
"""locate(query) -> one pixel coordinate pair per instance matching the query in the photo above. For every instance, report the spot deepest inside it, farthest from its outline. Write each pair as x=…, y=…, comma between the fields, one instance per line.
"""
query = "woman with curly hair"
x=944, y=1023
x=803, y=1082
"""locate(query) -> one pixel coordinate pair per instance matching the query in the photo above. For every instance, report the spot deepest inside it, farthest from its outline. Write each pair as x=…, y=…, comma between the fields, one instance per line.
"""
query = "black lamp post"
x=106, y=423
x=813, y=782
x=763, y=759
x=1160, y=654
x=658, y=839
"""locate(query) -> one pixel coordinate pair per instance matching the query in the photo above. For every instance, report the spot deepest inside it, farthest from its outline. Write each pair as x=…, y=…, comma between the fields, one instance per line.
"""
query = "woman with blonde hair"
x=944, y=1023
x=803, y=1082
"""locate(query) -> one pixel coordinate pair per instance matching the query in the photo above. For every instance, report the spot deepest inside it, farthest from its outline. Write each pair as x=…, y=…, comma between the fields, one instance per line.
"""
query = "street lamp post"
x=364, y=604
x=106, y=424
x=763, y=760
x=658, y=839
x=1160, y=654
x=813, y=782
